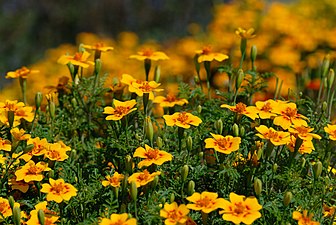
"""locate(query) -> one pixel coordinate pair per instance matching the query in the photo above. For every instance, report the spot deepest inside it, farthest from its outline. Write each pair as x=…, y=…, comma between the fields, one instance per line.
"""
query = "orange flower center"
x=147, y=52
x=170, y=98
x=206, y=50
x=145, y=87
x=183, y=118
x=224, y=143
x=78, y=56
x=175, y=215
x=272, y=134
x=205, y=202
x=238, y=208
x=114, y=180
x=302, y=130
x=152, y=153
x=290, y=112
x=58, y=188
x=240, y=107
x=98, y=45
x=23, y=71
x=34, y=170
x=11, y=106
x=54, y=154
x=4, y=207
x=121, y=110
x=143, y=176
x=266, y=107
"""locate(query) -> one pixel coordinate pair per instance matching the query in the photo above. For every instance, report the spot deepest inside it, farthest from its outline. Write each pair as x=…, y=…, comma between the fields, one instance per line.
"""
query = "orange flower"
x=98, y=47
x=118, y=219
x=242, y=109
x=120, y=109
x=58, y=190
x=142, y=178
x=149, y=54
x=31, y=171
x=307, y=146
x=19, y=135
x=5, y=208
x=23, y=72
x=303, y=132
x=49, y=216
x=328, y=211
x=288, y=115
x=331, y=130
x=174, y=214
x=222, y=144
x=182, y=119
x=145, y=87
x=241, y=209
x=151, y=156
x=170, y=101
x=18, y=185
x=206, y=201
x=206, y=54
x=20, y=112
x=304, y=218
x=40, y=146
x=56, y=152
x=79, y=59
x=276, y=137
x=245, y=34
x=5, y=145
x=114, y=181
x=264, y=108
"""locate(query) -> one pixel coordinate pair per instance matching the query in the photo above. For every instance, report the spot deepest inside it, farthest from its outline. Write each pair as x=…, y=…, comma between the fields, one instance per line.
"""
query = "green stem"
x=23, y=85
x=207, y=67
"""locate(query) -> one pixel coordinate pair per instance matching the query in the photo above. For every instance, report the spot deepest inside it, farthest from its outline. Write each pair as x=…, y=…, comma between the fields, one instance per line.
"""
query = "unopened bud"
x=184, y=172
x=235, y=130
x=40, y=215
x=159, y=142
x=324, y=106
x=138, y=137
x=134, y=191
x=11, y=202
x=317, y=168
x=149, y=129
x=196, y=79
x=28, y=148
x=38, y=99
x=240, y=78
x=155, y=181
x=74, y=102
x=17, y=216
x=201, y=155
x=219, y=126
x=303, y=162
x=189, y=143
x=257, y=186
x=197, y=64
x=253, y=53
x=98, y=66
x=52, y=110
x=325, y=65
x=128, y=164
x=287, y=198
x=331, y=77
x=116, y=192
x=274, y=167
x=242, y=131
x=191, y=188
x=71, y=68
x=172, y=197
x=199, y=109
x=157, y=74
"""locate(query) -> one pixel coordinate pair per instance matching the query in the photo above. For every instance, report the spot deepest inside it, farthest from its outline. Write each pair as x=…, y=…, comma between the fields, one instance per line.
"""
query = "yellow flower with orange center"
x=331, y=130
x=264, y=109
x=79, y=59
x=245, y=34
x=307, y=146
x=151, y=156
x=276, y=137
x=142, y=178
x=31, y=171
x=304, y=218
x=222, y=144
x=148, y=87
x=149, y=54
x=19, y=135
x=40, y=146
x=170, y=101
x=128, y=79
x=120, y=109
x=182, y=119
x=98, y=47
x=5, y=145
x=114, y=181
x=241, y=109
x=303, y=132
x=240, y=209
x=19, y=109
x=49, y=216
x=23, y=72
x=118, y=219
x=174, y=214
x=206, y=54
x=288, y=115
x=58, y=190
x=5, y=208
x=56, y=152
x=205, y=201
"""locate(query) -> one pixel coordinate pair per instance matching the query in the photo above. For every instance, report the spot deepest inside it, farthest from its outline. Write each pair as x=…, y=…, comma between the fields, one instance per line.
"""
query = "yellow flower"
x=151, y=156
x=241, y=209
x=142, y=178
x=5, y=145
x=328, y=211
x=23, y=72
x=303, y=132
x=19, y=135
x=170, y=101
x=20, y=112
x=182, y=119
x=206, y=201
x=206, y=54
x=79, y=59
x=222, y=144
x=307, y=146
x=31, y=171
x=241, y=109
x=5, y=208
x=40, y=146
x=118, y=219
x=18, y=185
x=98, y=47
x=331, y=130
x=49, y=216
x=58, y=190
x=145, y=87
x=276, y=137
x=288, y=116
x=264, y=109
x=149, y=54
x=56, y=152
x=304, y=218
x=174, y=214
x=120, y=109
x=128, y=79
x=246, y=34
x=114, y=181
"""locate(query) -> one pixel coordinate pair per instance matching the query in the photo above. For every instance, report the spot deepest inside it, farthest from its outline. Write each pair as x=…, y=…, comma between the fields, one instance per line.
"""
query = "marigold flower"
x=79, y=59
x=5, y=145
x=264, y=109
x=276, y=137
x=31, y=171
x=331, y=130
x=114, y=181
x=118, y=219
x=182, y=119
x=151, y=156
x=145, y=87
x=40, y=146
x=18, y=185
x=19, y=135
x=142, y=178
x=288, y=116
x=307, y=146
x=128, y=79
x=246, y=34
x=56, y=152
x=206, y=201
x=206, y=54
x=170, y=101
x=149, y=54
x=174, y=214
x=49, y=216
x=98, y=47
x=241, y=109
x=222, y=144
x=328, y=211
x=304, y=218
x=241, y=209
x=20, y=112
x=120, y=109
x=5, y=208
x=23, y=72
x=303, y=132
x=58, y=190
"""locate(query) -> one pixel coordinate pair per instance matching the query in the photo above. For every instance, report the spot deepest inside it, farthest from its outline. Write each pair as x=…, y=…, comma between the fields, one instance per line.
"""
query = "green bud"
x=325, y=82
x=235, y=130
x=149, y=129
x=159, y=142
x=40, y=215
x=253, y=53
x=17, y=216
x=73, y=153
x=184, y=172
x=98, y=66
x=325, y=65
x=116, y=192
x=38, y=99
x=123, y=208
x=196, y=79
x=11, y=202
x=317, y=168
x=128, y=164
x=199, y=109
x=71, y=68
x=10, y=117
x=157, y=74
x=242, y=131
x=52, y=109
x=219, y=126
x=172, y=197
x=240, y=78
x=191, y=187
x=197, y=64
x=274, y=167
x=287, y=198
x=155, y=182
x=134, y=191
x=331, y=77
x=138, y=137
x=201, y=155
x=163, y=200
x=303, y=162
x=189, y=143
x=74, y=102
x=257, y=186
x=324, y=106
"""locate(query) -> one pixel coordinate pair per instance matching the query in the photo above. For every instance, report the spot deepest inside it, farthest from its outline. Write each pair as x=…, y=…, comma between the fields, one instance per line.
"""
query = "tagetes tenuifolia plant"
x=58, y=190
x=182, y=119
x=151, y=156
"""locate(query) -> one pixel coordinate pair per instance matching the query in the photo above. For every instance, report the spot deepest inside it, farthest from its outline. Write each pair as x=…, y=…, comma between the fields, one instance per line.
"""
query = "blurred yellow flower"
x=151, y=156
x=142, y=178
x=114, y=181
x=246, y=34
x=5, y=208
x=304, y=218
x=148, y=87
x=19, y=135
x=182, y=119
x=206, y=201
x=31, y=171
x=303, y=132
x=98, y=47
x=49, y=216
x=5, y=145
x=170, y=101
x=23, y=72
x=206, y=54
x=222, y=144
x=79, y=59
x=120, y=109
x=241, y=108
x=331, y=130
x=58, y=190
x=174, y=214
x=18, y=185
x=276, y=137
x=118, y=219
x=149, y=54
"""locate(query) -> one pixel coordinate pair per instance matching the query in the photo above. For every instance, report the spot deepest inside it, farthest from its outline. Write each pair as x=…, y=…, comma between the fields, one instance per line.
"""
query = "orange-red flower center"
x=143, y=176
x=206, y=50
x=58, y=188
x=4, y=207
x=271, y=134
x=182, y=117
x=11, y=106
x=175, y=215
x=152, y=153
x=121, y=110
x=145, y=87
x=266, y=107
x=78, y=56
x=204, y=202
x=240, y=107
x=224, y=143
x=147, y=52
x=33, y=170
x=170, y=98
x=290, y=112
x=239, y=208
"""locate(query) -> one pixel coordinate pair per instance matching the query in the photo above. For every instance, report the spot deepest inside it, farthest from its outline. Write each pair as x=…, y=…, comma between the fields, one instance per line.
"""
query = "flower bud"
x=287, y=198
x=10, y=117
x=38, y=99
x=253, y=53
x=197, y=64
x=159, y=142
x=155, y=182
x=303, y=162
x=189, y=143
x=201, y=155
x=52, y=110
x=17, y=216
x=134, y=191
x=11, y=202
x=172, y=197
x=184, y=172
x=196, y=79
x=257, y=186
x=274, y=167
x=98, y=66
x=235, y=130
x=74, y=102
x=191, y=187
x=71, y=68
x=149, y=129
x=317, y=168
x=331, y=77
x=40, y=215
x=128, y=164
x=199, y=109
x=325, y=65
x=219, y=126
x=240, y=78
x=242, y=131
x=138, y=137
x=157, y=74
x=116, y=192
x=324, y=106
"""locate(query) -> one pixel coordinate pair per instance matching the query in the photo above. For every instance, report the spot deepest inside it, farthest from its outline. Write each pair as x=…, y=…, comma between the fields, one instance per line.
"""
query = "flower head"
x=142, y=178
x=58, y=190
x=331, y=130
x=118, y=219
x=145, y=87
x=206, y=201
x=182, y=119
x=79, y=59
x=5, y=145
x=245, y=34
x=23, y=72
x=149, y=54
x=19, y=135
x=19, y=109
x=307, y=146
x=151, y=156
x=170, y=101
x=5, y=208
x=303, y=132
x=241, y=109
x=288, y=115
x=49, y=216
x=31, y=171
x=241, y=209
x=114, y=181
x=276, y=137
x=264, y=109
x=174, y=214
x=120, y=109
x=206, y=54
x=98, y=47
x=222, y=144
x=56, y=152
x=304, y=218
